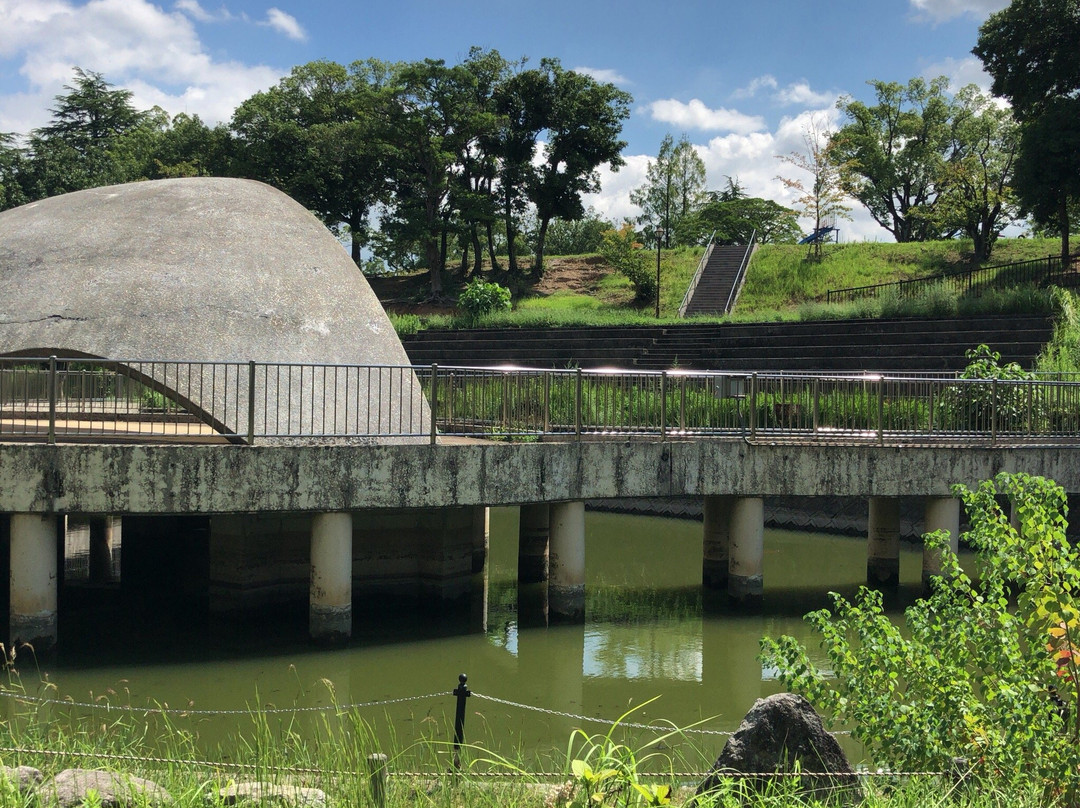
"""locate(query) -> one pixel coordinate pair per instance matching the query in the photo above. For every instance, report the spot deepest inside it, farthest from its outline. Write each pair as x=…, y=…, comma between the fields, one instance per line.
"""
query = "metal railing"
x=740, y=276
x=697, y=275
x=971, y=282
x=56, y=399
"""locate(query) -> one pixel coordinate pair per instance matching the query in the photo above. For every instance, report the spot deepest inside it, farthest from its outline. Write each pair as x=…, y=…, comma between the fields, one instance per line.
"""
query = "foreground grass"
x=330, y=751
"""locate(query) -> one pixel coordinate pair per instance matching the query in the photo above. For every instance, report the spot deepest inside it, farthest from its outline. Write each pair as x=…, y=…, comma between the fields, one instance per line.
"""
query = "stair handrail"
x=697, y=276
x=740, y=278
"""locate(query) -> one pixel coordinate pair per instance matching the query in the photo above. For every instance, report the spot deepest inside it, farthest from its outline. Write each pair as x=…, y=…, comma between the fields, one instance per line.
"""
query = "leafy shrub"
x=405, y=324
x=988, y=671
x=621, y=251
x=480, y=298
x=986, y=406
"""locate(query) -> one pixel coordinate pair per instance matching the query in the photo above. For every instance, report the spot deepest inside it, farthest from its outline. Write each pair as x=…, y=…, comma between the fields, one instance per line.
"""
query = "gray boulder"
x=24, y=778
x=783, y=733
x=71, y=786
x=281, y=794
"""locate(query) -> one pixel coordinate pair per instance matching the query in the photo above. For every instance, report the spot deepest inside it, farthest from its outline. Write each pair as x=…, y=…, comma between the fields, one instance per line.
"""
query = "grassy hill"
x=780, y=284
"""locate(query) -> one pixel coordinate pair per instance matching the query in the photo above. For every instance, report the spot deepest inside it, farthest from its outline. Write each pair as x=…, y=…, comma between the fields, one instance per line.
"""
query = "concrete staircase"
x=718, y=278
x=917, y=344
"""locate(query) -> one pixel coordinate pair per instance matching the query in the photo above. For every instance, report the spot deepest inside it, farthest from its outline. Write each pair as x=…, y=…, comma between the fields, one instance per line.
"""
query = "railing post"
x=250, y=403
x=462, y=693
x=577, y=403
x=993, y=411
x=434, y=400
x=753, y=405
x=881, y=410
x=506, y=404
x=663, y=405
x=682, y=404
x=52, y=400
x=817, y=404
x=1029, y=419
x=547, y=402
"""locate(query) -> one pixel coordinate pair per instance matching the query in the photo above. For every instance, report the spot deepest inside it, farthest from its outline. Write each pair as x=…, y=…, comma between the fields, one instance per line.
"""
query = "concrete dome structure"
x=206, y=269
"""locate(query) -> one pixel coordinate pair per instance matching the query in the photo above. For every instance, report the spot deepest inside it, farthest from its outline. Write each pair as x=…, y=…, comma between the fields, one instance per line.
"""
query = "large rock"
x=783, y=733
x=24, y=778
x=71, y=787
x=279, y=794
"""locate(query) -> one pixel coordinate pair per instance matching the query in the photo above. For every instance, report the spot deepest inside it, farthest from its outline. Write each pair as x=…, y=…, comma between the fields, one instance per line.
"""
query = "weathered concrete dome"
x=200, y=269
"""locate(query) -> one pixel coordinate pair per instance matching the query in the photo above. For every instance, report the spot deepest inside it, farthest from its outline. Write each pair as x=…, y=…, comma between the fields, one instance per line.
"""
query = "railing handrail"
x=697, y=275
x=740, y=276
x=857, y=292
x=242, y=402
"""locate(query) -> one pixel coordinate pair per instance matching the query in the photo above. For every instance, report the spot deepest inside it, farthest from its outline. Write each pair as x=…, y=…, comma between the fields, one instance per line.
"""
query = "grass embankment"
x=780, y=285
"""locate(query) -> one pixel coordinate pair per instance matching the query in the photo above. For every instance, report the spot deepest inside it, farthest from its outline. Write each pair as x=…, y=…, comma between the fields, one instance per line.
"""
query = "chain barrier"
x=182, y=711
x=609, y=723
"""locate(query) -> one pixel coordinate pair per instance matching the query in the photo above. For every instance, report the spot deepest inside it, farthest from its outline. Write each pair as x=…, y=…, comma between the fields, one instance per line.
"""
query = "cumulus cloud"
x=285, y=24
x=761, y=82
x=695, y=115
x=940, y=10
x=133, y=43
x=799, y=94
x=960, y=73
x=753, y=158
x=196, y=11
x=605, y=74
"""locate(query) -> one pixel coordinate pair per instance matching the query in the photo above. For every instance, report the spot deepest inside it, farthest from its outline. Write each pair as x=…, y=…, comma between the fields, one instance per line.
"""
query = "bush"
x=621, y=251
x=987, y=671
x=480, y=298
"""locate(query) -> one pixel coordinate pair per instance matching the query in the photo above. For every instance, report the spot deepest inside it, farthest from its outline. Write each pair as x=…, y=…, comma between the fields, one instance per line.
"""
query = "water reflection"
x=649, y=632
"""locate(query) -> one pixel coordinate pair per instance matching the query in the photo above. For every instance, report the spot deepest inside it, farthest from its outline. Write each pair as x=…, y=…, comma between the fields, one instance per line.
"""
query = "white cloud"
x=695, y=115
x=799, y=94
x=750, y=90
x=940, y=10
x=194, y=10
x=285, y=24
x=605, y=74
x=752, y=157
x=960, y=72
x=133, y=43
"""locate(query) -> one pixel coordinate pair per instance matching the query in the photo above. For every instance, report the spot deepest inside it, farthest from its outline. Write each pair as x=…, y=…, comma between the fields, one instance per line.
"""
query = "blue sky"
x=741, y=80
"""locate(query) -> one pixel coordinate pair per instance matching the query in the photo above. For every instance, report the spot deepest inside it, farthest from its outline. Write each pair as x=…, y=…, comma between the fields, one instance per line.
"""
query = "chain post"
x=378, y=776
x=52, y=399
x=462, y=693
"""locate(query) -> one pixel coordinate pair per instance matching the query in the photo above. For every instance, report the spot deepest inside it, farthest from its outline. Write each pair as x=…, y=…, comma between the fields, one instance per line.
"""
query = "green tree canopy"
x=734, y=221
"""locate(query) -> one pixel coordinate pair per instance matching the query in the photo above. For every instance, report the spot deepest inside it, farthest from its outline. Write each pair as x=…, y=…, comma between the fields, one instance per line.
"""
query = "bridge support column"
x=101, y=540
x=942, y=513
x=883, y=542
x=330, y=599
x=34, y=548
x=481, y=537
x=566, y=586
x=534, y=532
x=717, y=537
x=747, y=548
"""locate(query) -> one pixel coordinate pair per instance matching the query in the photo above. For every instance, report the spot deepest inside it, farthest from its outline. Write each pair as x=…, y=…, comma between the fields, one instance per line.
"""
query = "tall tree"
x=892, y=154
x=11, y=173
x=975, y=186
x=822, y=197
x=316, y=136
x=582, y=129
x=734, y=221
x=1030, y=50
x=674, y=187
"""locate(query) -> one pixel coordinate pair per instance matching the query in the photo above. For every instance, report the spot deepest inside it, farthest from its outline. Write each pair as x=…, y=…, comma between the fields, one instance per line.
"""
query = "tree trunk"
x=432, y=254
x=478, y=254
x=491, y=248
x=511, y=237
x=538, y=260
x=464, y=269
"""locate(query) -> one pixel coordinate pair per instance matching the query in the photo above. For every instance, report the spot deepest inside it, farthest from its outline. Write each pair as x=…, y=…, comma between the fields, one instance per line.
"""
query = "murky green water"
x=648, y=634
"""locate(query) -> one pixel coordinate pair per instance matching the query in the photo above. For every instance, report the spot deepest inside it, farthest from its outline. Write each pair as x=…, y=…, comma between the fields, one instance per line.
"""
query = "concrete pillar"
x=717, y=536
x=481, y=538
x=534, y=531
x=34, y=547
x=330, y=609
x=566, y=586
x=747, y=548
x=942, y=513
x=883, y=542
x=101, y=539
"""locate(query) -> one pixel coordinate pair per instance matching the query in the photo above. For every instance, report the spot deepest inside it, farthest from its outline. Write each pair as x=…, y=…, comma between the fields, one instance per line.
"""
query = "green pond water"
x=649, y=633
